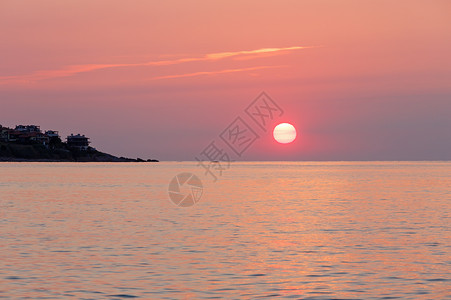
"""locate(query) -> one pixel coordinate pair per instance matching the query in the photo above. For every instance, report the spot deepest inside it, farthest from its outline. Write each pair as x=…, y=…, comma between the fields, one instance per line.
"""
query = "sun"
x=284, y=133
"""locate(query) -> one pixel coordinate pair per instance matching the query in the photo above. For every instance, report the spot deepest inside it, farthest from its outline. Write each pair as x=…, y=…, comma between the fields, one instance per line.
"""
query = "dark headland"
x=29, y=143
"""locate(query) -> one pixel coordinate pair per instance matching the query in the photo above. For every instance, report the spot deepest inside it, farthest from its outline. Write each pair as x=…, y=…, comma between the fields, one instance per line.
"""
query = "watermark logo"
x=239, y=136
x=185, y=189
x=262, y=110
x=233, y=141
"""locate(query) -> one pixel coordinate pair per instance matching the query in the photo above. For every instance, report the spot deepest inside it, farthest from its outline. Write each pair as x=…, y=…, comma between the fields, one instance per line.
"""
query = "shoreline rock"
x=12, y=152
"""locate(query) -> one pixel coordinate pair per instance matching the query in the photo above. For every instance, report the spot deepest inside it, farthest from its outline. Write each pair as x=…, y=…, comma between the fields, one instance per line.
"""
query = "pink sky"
x=360, y=80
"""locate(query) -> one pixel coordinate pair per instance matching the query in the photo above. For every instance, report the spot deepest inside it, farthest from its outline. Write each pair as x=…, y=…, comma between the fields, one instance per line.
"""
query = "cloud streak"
x=72, y=70
x=214, y=72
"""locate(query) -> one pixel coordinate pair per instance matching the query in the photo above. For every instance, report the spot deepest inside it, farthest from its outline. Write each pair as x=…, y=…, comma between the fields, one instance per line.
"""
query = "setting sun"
x=284, y=133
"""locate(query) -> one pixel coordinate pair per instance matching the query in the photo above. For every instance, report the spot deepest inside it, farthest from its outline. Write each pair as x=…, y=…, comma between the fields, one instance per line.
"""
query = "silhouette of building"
x=78, y=141
x=9, y=135
x=28, y=128
x=4, y=133
x=32, y=134
x=52, y=133
x=33, y=137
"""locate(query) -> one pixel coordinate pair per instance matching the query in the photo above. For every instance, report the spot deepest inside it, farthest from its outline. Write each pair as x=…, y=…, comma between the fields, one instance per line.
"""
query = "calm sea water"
x=348, y=230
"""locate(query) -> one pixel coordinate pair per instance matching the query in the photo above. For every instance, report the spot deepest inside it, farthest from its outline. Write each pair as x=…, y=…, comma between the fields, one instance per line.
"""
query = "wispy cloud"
x=76, y=69
x=214, y=72
x=250, y=52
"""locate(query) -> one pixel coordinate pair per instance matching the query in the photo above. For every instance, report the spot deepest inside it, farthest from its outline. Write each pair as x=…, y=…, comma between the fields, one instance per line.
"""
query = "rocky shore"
x=11, y=152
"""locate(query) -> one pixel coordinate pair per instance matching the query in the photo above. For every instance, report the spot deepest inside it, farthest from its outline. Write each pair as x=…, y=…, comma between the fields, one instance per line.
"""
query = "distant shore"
x=10, y=159
x=28, y=143
x=12, y=152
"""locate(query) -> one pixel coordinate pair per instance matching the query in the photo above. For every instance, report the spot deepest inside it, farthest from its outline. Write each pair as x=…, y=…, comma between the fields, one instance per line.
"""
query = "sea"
x=275, y=230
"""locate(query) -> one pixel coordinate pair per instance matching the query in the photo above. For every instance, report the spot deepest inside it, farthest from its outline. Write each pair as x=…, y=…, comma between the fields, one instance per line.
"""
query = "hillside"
x=38, y=152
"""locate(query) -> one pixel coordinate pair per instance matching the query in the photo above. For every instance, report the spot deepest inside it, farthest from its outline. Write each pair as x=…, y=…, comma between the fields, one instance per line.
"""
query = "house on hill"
x=78, y=141
x=3, y=133
x=28, y=128
x=34, y=136
x=52, y=133
x=9, y=135
x=54, y=136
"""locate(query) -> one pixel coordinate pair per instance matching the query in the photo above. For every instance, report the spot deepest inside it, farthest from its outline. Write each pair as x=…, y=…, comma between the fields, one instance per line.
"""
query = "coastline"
x=46, y=160
x=11, y=152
